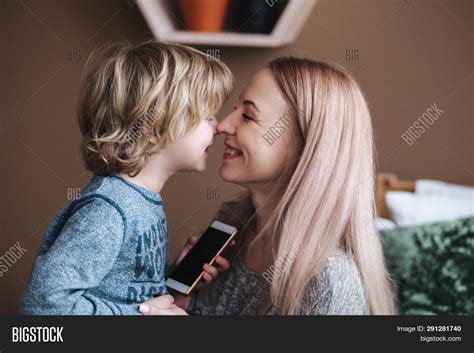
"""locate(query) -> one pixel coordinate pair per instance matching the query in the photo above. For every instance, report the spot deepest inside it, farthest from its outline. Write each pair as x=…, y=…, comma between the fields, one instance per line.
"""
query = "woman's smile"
x=231, y=152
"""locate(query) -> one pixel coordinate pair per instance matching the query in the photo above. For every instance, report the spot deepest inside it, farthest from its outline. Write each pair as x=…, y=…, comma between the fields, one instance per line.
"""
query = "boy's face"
x=190, y=152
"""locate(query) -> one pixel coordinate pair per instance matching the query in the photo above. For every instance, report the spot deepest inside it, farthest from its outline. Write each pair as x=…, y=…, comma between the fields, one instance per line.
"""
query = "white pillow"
x=424, y=186
x=384, y=224
x=409, y=208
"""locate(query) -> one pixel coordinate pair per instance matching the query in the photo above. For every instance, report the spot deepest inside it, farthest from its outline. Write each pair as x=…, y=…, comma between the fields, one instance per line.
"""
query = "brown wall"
x=411, y=54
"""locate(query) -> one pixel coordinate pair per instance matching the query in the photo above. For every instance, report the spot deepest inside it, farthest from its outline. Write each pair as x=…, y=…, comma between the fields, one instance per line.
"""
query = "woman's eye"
x=246, y=117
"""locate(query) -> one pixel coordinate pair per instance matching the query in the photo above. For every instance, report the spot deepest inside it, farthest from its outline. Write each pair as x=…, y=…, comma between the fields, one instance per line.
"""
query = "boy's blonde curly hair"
x=133, y=92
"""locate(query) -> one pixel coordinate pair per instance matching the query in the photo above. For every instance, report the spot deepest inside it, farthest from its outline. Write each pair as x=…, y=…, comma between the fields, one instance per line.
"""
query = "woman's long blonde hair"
x=328, y=201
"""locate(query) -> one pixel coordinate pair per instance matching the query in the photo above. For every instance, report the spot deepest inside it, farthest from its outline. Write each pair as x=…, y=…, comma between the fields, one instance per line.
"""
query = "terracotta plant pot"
x=204, y=15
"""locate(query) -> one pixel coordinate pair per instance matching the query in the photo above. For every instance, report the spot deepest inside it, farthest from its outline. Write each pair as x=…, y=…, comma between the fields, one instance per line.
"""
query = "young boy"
x=146, y=112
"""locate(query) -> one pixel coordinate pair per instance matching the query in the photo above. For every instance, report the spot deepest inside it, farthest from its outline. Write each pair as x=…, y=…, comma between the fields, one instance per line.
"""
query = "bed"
x=431, y=262
x=386, y=182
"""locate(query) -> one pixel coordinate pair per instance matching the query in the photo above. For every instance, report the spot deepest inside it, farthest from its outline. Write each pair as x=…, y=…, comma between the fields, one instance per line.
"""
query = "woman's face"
x=258, y=141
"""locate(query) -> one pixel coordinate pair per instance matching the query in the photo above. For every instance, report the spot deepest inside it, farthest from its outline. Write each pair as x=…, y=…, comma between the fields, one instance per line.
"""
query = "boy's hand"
x=210, y=272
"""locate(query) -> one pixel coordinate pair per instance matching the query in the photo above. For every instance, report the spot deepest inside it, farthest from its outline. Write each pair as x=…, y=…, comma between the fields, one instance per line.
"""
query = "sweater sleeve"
x=337, y=290
x=78, y=258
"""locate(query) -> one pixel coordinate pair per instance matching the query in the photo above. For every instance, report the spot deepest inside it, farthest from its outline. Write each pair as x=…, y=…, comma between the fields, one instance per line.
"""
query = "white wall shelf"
x=285, y=31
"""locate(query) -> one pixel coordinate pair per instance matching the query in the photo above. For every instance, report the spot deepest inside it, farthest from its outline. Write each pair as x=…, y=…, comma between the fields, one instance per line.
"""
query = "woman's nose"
x=227, y=125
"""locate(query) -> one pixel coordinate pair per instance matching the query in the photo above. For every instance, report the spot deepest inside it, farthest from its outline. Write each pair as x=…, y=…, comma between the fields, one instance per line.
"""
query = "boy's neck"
x=153, y=175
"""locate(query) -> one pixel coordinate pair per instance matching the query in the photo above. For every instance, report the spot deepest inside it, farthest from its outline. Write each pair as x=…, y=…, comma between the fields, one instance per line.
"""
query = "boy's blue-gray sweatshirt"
x=104, y=253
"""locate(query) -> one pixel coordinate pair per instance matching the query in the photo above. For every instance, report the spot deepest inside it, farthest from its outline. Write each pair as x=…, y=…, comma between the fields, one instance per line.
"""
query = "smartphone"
x=189, y=271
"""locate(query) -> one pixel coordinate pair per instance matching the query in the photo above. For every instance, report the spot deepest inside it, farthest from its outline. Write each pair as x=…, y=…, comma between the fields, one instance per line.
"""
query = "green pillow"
x=433, y=267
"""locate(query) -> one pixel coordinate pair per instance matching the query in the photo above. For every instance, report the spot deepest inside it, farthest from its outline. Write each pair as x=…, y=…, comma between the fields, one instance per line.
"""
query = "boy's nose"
x=214, y=126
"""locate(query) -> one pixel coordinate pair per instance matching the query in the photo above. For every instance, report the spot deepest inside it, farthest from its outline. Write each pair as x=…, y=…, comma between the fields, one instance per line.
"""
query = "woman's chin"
x=226, y=174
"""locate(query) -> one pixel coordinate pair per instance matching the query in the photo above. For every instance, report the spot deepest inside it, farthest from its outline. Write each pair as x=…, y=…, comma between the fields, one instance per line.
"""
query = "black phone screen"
x=203, y=252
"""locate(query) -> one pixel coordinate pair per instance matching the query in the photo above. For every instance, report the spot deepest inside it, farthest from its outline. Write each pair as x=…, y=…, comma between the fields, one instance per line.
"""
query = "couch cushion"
x=433, y=267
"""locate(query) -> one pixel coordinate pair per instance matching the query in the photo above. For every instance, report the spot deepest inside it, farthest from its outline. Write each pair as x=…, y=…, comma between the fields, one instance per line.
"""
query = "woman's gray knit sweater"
x=336, y=290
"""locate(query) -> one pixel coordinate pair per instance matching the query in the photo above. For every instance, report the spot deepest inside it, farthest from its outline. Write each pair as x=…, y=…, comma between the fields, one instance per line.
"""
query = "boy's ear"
x=155, y=139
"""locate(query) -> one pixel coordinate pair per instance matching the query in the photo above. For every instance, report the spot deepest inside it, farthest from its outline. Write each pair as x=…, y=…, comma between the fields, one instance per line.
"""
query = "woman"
x=300, y=140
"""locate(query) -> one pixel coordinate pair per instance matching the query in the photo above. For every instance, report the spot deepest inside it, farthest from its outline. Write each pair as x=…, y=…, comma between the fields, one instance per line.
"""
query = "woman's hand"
x=162, y=305
x=169, y=305
x=210, y=272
